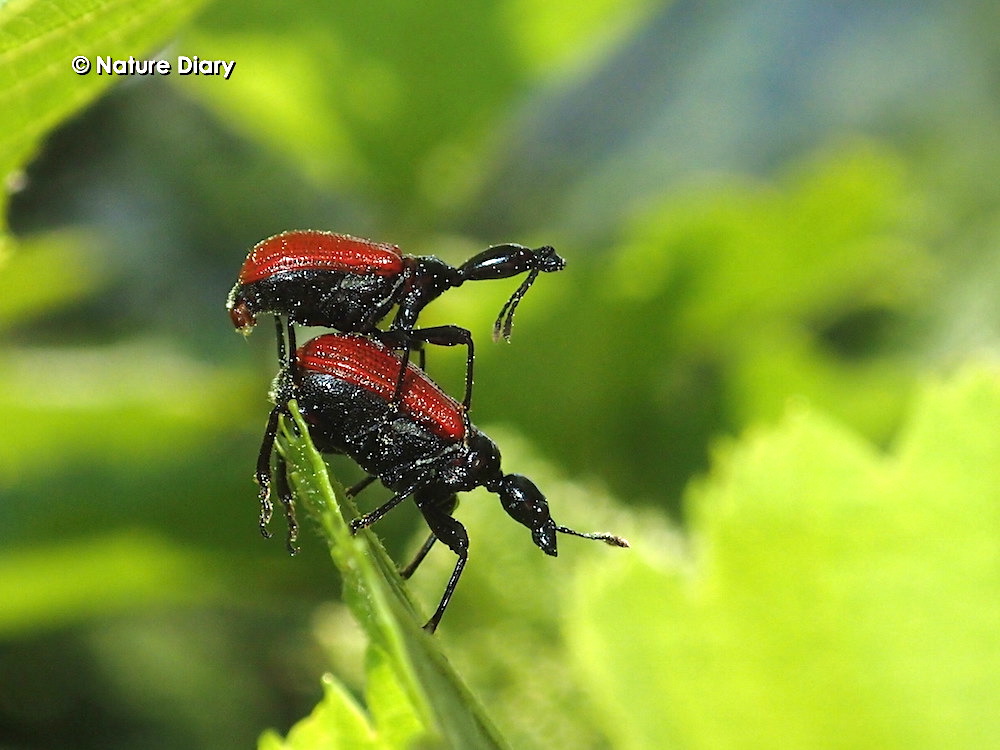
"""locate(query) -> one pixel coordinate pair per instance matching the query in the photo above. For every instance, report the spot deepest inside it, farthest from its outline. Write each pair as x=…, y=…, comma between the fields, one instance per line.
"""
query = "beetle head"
x=504, y=261
x=526, y=504
x=476, y=464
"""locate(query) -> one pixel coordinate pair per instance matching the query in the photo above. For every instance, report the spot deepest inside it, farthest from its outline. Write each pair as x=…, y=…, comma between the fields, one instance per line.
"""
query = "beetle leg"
x=363, y=522
x=355, y=489
x=292, y=354
x=408, y=571
x=414, y=340
x=263, y=474
x=437, y=512
x=397, y=394
x=288, y=501
x=283, y=332
x=453, y=336
x=410, y=345
x=279, y=332
x=400, y=341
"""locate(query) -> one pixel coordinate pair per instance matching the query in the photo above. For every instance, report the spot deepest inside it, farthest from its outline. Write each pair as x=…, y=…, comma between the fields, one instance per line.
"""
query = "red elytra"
x=312, y=250
x=372, y=366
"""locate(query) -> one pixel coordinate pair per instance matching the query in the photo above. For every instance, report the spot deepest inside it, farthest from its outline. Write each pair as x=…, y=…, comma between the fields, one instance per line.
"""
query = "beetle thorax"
x=424, y=280
x=476, y=463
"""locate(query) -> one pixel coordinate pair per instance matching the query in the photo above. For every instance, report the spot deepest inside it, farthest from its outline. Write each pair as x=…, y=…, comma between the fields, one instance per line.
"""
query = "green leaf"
x=376, y=596
x=392, y=711
x=38, y=41
x=338, y=721
x=834, y=596
x=785, y=284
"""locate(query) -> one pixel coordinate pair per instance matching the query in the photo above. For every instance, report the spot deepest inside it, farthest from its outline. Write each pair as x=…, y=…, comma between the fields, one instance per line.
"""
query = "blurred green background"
x=760, y=204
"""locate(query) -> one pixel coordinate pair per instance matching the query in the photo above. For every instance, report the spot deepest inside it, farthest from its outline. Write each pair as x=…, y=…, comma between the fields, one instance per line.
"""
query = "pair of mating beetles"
x=360, y=398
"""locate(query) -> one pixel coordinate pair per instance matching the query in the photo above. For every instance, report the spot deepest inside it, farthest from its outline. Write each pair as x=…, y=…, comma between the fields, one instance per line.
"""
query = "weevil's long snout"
x=526, y=504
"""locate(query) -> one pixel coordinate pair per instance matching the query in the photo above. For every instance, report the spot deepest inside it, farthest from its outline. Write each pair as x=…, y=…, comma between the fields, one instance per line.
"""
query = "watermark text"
x=182, y=65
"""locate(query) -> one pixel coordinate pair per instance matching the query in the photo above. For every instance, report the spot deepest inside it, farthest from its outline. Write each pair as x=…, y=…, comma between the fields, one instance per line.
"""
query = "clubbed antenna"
x=510, y=306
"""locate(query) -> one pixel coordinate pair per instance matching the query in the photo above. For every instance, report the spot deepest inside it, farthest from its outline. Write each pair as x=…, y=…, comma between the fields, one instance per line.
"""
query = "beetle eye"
x=484, y=458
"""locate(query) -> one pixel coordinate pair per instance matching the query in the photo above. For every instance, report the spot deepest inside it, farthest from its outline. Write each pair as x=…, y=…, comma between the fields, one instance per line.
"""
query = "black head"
x=505, y=261
x=526, y=504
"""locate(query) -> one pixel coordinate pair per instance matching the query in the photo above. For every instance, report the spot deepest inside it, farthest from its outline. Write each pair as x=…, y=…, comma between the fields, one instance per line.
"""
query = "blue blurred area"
x=744, y=88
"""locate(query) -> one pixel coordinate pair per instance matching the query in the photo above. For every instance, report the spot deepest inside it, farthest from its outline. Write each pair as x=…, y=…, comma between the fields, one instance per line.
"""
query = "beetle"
x=350, y=284
x=425, y=448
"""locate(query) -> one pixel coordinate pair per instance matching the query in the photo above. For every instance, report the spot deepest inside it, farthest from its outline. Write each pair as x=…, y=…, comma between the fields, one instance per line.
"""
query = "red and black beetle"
x=351, y=284
x=425, y=448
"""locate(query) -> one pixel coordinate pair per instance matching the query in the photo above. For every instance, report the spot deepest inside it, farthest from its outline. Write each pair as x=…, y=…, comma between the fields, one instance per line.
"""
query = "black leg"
x=285, y=356
x=355, y=489
x=437, y=512
x=448, y=506
x=279, y=332
x=400, y=341
x=263, y=474
x=404, y=361
x=419, y=557
x=291, y=343
x=285, y=495
x=452, y=336
x=363, y=522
